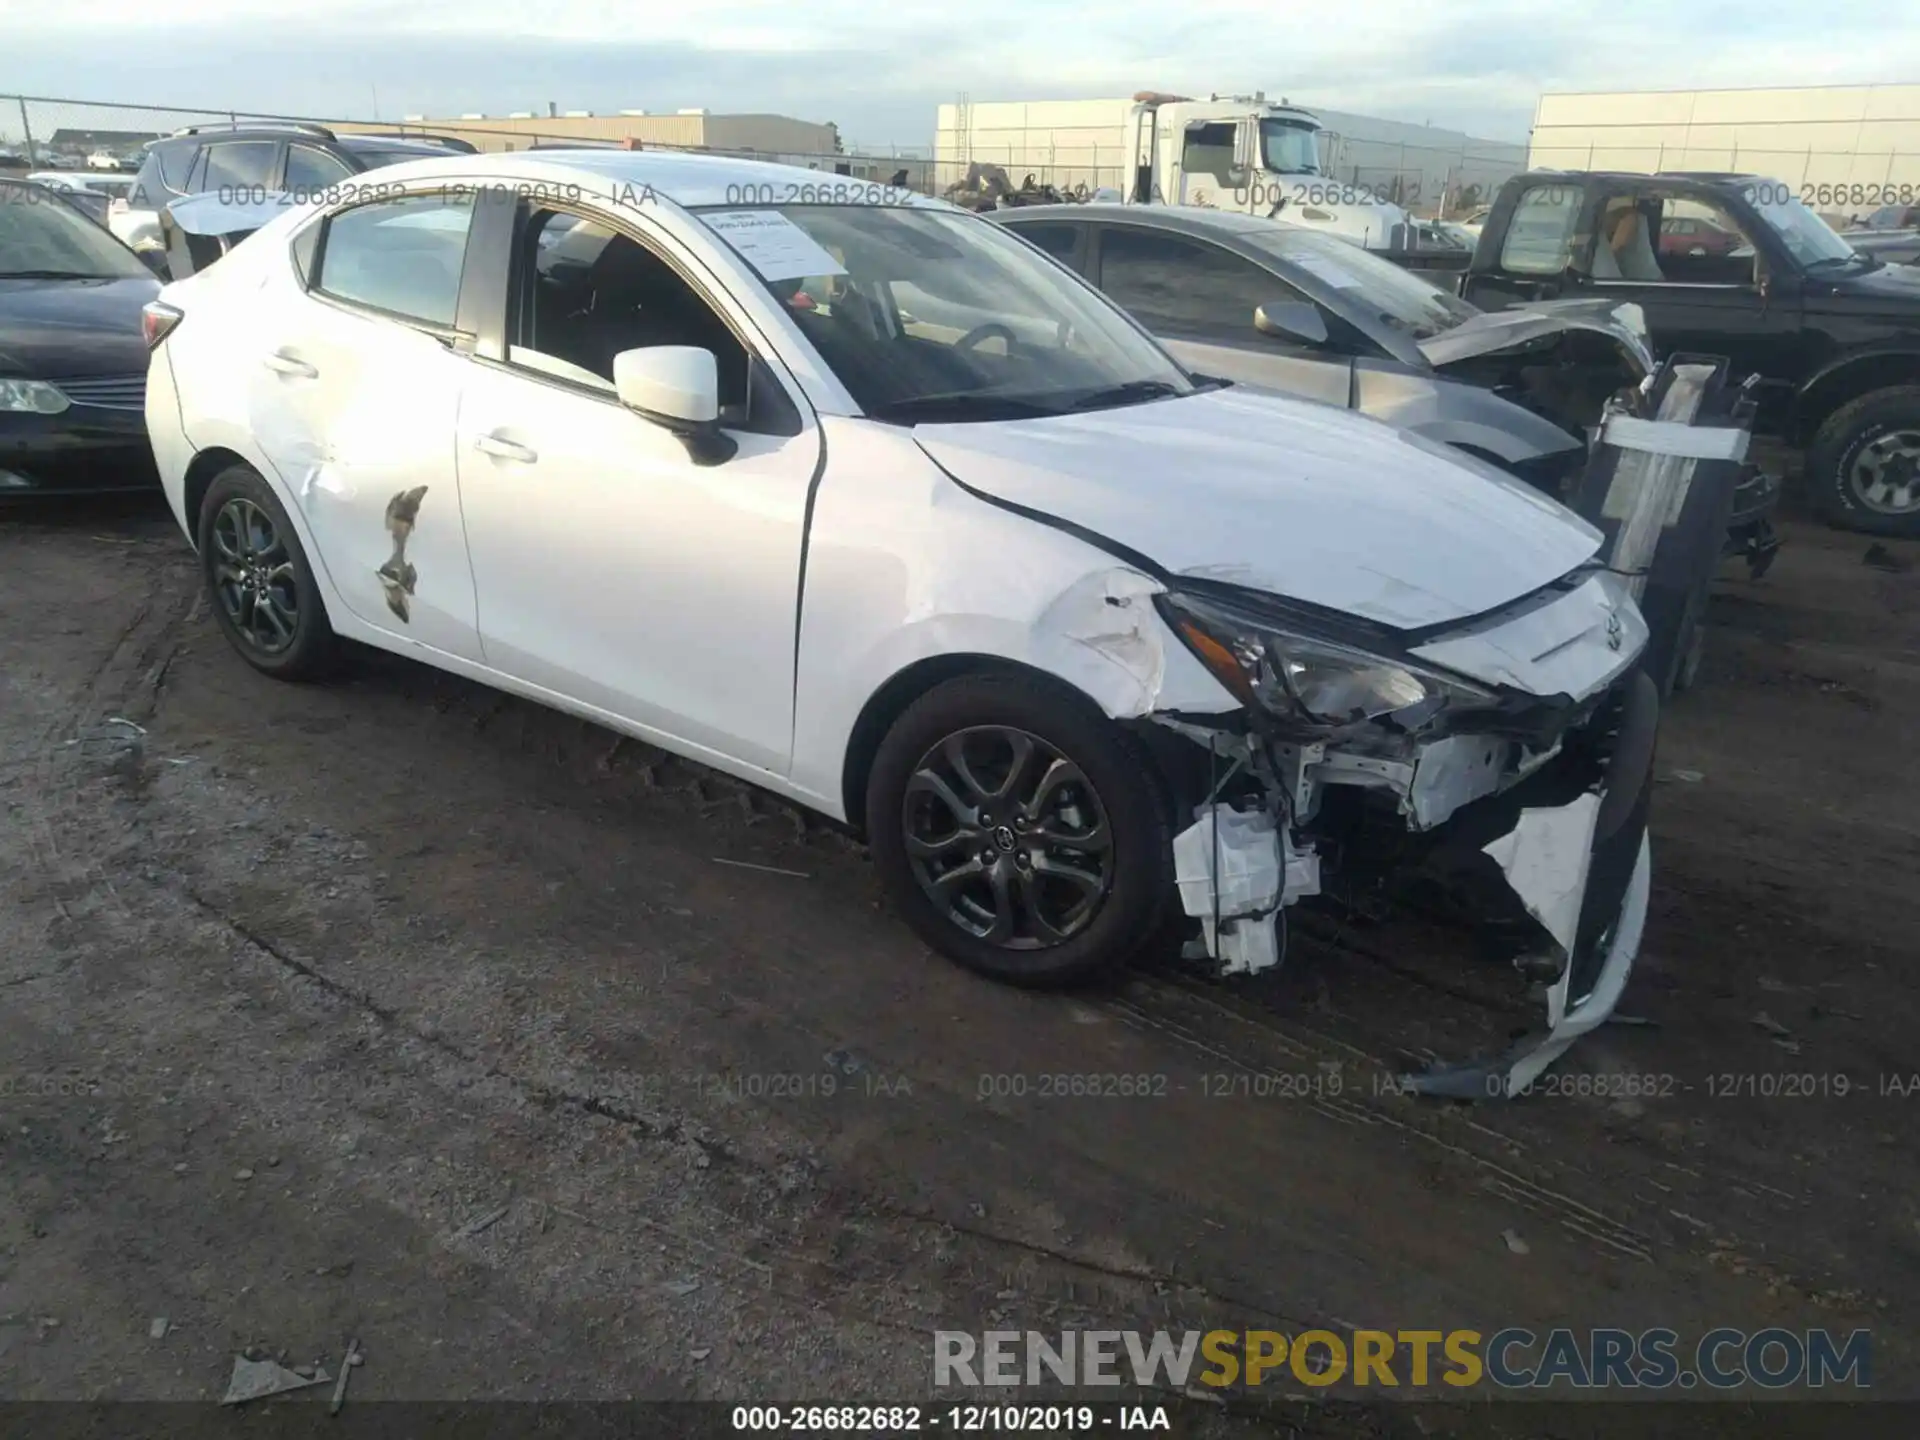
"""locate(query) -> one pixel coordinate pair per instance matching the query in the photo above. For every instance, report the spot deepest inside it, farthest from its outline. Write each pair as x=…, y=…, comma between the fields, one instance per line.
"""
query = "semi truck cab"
x=1246, y=154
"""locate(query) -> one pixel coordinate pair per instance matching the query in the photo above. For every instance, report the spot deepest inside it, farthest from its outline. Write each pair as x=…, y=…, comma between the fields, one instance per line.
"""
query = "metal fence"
x=46, y=133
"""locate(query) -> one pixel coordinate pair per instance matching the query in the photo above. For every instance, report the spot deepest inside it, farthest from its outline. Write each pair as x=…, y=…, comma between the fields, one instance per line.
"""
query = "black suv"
x=260, y=159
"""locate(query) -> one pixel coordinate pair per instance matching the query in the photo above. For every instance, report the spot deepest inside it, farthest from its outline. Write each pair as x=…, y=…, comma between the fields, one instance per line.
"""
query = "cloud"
x=879, y=70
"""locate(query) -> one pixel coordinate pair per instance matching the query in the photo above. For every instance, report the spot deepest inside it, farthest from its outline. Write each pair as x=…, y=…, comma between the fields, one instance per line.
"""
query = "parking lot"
x=548, y=1065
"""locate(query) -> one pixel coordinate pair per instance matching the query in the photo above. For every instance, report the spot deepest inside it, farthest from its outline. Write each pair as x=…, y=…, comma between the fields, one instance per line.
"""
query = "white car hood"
x=1282, y=495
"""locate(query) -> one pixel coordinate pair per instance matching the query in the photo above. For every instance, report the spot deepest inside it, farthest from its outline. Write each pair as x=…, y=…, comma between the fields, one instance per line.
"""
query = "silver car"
x=1279, y=308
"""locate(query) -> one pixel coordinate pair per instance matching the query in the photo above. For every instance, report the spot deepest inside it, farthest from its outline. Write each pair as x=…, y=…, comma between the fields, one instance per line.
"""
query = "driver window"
x=1209, y=151
x=584, y=291
x=1702, y=244
x=1176, y=286
x=1653, y=241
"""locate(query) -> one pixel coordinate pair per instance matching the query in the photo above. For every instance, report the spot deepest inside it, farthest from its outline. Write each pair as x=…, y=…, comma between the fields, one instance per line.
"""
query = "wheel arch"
x=1846, y=380
x=899, y=691
x=201, y=472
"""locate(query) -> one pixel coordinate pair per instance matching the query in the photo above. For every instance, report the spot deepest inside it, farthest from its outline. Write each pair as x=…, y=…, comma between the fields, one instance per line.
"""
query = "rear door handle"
x=505, y=449
x=286, y=364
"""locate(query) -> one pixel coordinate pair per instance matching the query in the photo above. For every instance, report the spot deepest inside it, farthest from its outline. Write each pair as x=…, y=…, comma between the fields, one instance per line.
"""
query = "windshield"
x=1377, y=289
x=43, y=236
x=1290, y=147
x=1807, y=237
x=936, y=315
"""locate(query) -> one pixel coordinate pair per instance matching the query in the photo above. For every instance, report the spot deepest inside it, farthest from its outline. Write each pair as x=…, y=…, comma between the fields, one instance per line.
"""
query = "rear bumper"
x=83, y=450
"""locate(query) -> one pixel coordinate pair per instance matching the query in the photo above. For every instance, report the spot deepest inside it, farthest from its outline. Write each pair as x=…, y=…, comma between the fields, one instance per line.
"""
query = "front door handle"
x=505, y=449
x=286, y=364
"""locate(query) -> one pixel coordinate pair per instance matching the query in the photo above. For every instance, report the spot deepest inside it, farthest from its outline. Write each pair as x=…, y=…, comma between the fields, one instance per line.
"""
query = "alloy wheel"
x=1007, y=837
x=253, y=576
x=1885, y=474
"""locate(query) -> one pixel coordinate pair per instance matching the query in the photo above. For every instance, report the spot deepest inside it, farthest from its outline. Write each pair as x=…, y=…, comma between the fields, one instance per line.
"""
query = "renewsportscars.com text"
x=1509, y=1359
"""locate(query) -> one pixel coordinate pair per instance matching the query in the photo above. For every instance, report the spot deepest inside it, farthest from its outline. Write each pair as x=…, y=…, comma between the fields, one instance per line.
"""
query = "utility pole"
x=26, y=130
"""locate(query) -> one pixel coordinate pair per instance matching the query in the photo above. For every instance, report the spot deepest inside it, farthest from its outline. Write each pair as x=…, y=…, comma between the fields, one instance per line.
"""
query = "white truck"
x=1239, y=152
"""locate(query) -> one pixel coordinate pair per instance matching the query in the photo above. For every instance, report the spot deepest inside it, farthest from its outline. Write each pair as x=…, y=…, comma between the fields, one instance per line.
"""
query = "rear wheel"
x=1019, y=831
x=258, y=580
x=1863, y=466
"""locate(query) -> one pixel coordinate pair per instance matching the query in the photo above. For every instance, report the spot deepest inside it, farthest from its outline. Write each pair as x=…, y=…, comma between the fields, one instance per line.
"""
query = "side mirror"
x=678, y=388
x=1291, y=320
x=1241, y=145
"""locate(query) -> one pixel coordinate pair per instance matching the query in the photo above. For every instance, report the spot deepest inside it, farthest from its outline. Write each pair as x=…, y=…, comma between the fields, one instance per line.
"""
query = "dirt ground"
x=396, y=1009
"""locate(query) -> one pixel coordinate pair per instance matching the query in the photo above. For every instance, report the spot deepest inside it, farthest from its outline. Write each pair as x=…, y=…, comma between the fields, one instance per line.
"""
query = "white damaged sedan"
x=860, y=498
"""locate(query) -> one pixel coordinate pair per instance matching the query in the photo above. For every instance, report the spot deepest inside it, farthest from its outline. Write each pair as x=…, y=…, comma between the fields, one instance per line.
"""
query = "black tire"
x=1839, y=458
x=1120, y=782
x=256, y=593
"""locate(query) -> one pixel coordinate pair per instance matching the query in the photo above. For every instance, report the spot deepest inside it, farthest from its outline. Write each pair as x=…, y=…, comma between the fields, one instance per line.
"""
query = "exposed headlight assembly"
x=1302, y=677
x=34, y=396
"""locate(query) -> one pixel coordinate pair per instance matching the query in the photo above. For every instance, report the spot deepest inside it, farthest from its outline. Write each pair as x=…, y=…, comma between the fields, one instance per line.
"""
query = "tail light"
x=157, y=320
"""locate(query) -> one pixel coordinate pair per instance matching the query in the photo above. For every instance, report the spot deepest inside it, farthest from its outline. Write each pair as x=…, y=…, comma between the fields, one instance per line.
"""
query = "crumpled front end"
x=1509, y=760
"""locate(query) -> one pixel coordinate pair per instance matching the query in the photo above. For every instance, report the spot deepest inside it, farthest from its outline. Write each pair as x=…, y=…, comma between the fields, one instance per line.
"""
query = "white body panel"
x=1283, y=495
x=613, y=568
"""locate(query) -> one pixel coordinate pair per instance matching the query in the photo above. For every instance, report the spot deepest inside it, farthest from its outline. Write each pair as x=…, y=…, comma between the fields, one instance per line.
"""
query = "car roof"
x=1641, y=177
x=392, y=143
x=1194, y=219
x=687, y=180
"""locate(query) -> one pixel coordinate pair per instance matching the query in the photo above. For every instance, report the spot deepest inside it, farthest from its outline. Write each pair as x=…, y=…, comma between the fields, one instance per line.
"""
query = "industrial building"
x=1819, y=139
x=679, y=129
x=774, y=137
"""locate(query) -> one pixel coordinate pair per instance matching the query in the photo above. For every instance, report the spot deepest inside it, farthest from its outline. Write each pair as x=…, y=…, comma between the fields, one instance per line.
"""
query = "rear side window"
x=1540, y=233
x=309, y=169
x=401, y=256
x=164, y=172
x=233, y=163
x=1057, y=240
x=1173, y=285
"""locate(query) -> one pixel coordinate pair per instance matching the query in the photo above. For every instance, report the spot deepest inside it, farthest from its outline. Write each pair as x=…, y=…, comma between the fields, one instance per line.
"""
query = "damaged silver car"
x=1262, y=303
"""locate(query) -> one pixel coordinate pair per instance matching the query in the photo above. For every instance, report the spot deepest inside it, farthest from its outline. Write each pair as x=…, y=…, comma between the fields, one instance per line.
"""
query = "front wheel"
x=1019, y=831
x=1863, y=466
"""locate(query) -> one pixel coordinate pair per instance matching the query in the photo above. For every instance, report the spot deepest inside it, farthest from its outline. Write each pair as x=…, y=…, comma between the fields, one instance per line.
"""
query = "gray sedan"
x=1279, y=308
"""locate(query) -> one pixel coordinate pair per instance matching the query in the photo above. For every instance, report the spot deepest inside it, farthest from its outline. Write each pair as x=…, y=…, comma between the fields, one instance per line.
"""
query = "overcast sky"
x=879, y=67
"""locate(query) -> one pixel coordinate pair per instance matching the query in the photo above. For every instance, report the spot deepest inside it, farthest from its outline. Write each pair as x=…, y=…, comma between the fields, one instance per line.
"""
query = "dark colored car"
x=73, y=357
x=244, y=160
x=1832, y=332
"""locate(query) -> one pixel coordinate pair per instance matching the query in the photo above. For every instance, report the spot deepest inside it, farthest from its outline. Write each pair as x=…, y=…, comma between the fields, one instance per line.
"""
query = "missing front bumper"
x=1569, y=841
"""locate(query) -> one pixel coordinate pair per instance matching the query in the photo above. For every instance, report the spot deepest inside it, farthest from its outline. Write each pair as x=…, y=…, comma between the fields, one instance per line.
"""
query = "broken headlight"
x=1305, y=677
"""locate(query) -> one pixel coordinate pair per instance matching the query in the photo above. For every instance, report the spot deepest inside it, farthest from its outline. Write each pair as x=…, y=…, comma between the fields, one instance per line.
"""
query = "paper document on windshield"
x=1328, y=270
x=773, y=244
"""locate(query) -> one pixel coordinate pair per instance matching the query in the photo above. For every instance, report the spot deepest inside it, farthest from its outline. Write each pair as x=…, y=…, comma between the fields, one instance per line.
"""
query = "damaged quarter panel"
x=1283, y=496
x=903, y=565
